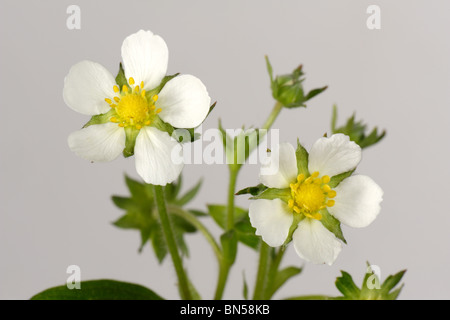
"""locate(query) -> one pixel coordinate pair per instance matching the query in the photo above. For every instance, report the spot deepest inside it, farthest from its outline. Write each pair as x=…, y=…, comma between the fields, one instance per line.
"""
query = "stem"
x=171, y=243
x=224, y=269
x=262, y=271
x=273, y=272
x=272, y=116
x=234, y=171
x=230, y=203
x=196, y=223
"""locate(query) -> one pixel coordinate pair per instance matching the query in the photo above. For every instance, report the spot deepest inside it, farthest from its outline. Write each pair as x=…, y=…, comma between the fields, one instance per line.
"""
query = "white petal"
x=184, y=102
x=100, y=142
x=281, y=169
x=314, y=243
x=357, y=201
x=155, y=161
x=87, y=86
x=145, y=58
x=334, y=155
x=271, y=219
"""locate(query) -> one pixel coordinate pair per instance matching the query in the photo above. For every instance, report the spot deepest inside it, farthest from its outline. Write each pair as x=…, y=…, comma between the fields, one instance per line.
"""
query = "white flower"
x=354, y=201
x=183, y=102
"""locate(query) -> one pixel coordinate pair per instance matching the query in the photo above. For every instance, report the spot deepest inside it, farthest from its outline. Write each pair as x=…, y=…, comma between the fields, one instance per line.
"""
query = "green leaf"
x=302, y=159
x=332, y=224
x=312, y=297
x=229, y=246
x=347, y=286
x=254, y=191
x=282, y=276
x=392, y=281
x=356, y=130
x=244, y=231
x=124, y=203
x=219, y=214
x=159, y=243
x=335, y=180
x=99, y=290
x=273, y=193
x=245, y=287
x=189, y=195
x=141, y=214
x=121, y=80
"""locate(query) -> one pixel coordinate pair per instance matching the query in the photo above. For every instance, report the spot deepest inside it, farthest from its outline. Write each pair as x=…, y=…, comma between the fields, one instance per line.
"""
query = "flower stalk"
x=171, y=244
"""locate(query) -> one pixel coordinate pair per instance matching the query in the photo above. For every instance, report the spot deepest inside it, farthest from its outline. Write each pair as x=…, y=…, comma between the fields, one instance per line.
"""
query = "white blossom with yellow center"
x=354, y=202
x=183, y=102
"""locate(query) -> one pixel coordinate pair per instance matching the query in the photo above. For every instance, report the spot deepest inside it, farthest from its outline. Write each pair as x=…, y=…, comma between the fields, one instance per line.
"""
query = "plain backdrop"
x=55, y=208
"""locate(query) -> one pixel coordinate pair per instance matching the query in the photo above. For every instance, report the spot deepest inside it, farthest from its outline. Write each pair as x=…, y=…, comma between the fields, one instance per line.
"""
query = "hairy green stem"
x=264, y=255
x=234, y=172
x=274, y=266
x=196, y=223
x=171, y=244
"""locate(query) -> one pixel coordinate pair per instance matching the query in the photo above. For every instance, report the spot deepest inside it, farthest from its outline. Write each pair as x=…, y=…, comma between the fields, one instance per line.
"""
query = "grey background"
x=55, y=208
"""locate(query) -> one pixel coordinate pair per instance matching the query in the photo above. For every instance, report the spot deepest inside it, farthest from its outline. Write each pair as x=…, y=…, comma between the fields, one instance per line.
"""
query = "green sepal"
x=337, y=179
x=332, y=224
x=100, y=118
x=288, y=89
x=149, y=94
x=121, y=80
x=130, y=141
x=99, y=290
x=273, y=193
x=297, y=218
x=254, y=191
x=302, y=157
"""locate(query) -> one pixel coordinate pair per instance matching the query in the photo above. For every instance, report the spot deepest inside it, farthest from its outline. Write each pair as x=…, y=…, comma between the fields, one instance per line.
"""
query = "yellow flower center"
x=310, y=195
x=133, y=107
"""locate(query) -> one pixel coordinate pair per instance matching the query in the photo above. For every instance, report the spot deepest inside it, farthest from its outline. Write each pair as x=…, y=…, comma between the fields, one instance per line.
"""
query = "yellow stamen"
x=330, y=203
x=116, y=89
x=158, y=110
x=131, y=81
x=125, y=88
x=155, y=97
x=310, y=195
x=291, y=203
x=109, y=101
x=142, y=84
x=116, y=99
